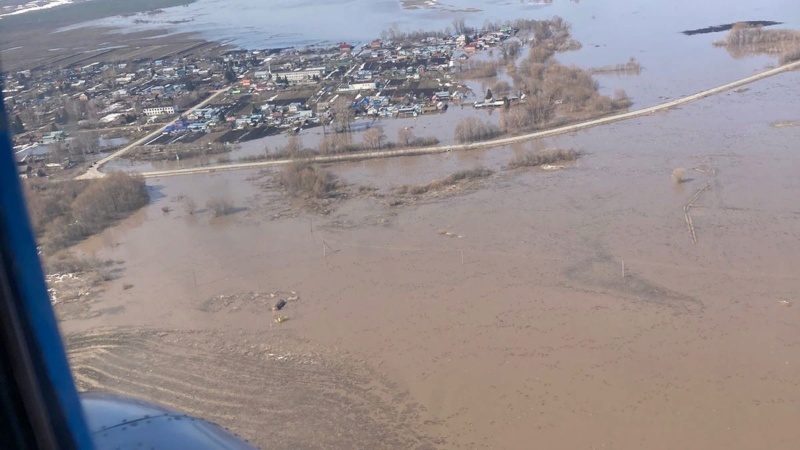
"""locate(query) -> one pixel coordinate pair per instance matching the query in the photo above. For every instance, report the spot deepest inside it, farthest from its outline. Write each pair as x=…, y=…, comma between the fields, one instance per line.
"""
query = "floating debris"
x=281, y=319
x=785, y=302
x=279, y=306
x=551, y=167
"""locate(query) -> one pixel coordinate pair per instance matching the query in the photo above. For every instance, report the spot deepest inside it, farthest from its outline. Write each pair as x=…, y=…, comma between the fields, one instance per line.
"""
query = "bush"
x=68, y=263
x=546, y=157
x=64, y=213
x=429, y=141
x=633, y=67
x=789, y=56
x=219, y=206
x=472, y=129
x=679, y=175
x=302, y=179
x=109, y=199
x=450, y=180
x=475, y=69
x=189, y=205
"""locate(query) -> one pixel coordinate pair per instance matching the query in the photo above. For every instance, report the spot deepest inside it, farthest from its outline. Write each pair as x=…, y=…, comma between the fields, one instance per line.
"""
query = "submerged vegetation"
x=302, y=179
x=450, y=180
x=744, y=40
x=65, y=213
x=535, y=159
x=472, y=129
x=632, y=67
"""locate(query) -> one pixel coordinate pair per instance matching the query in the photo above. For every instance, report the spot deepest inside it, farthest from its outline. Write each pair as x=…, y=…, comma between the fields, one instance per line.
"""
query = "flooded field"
x=556, y=309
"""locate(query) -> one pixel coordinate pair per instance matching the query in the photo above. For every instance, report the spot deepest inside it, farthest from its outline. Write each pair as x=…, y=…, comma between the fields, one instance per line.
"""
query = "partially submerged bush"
x=65, y=262
x=189, y=205
x=450, y=180
x=303, y=179
x=472, y=129
x=679, y=175
x=541, y=158
x=789, y=56
x=66, y=212
x=220, y=206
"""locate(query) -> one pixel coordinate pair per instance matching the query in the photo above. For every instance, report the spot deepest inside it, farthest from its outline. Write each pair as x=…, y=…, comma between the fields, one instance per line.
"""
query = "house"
x=470, y=48
x=345, y=47
x=375, y=44
x=24, y=169
x=53, y=137
x=294, y=107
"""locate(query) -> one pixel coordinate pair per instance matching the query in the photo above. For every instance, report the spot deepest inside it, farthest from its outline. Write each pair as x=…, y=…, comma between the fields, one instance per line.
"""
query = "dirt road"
x=487, y=144
x=94, y=171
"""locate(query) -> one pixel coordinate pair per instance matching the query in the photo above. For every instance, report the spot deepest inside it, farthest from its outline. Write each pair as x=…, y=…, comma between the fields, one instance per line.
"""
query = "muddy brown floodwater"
x=498, y=318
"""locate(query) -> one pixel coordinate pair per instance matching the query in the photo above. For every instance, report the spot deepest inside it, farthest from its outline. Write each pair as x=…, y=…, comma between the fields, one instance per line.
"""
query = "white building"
x=301, y=75
x=159, y=111
x=358, y=87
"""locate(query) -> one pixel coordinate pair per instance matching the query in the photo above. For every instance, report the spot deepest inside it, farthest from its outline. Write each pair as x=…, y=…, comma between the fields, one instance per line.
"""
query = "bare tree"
x=509, y=50
x=335, y=143
x=460, y=25
x=83, y=144
x=472, y=129
x=343, y=115
x=374, y=138
x=405, y=136
x=293, y=146
x=501, y=87
x=189, y=205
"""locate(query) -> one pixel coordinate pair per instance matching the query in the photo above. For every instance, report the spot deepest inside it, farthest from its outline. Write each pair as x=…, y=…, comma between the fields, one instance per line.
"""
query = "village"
x=266, y=92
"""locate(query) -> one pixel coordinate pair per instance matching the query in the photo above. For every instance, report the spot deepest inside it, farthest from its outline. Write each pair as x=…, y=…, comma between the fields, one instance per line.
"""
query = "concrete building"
x=159, y=111
x=358, y=87
x=300, y=75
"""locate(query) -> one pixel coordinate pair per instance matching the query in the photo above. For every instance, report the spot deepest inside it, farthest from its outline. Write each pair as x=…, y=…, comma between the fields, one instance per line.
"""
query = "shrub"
x=109, y=199
x=472, y=129
x=302, y=179
x=220, y=206
x=189, y=205
x=450, y=180
x=64, y=213
x=541, y=158
x=789, y=56
x=475, y=69
x=679, y=175
x=429, y=141
x=69, y=263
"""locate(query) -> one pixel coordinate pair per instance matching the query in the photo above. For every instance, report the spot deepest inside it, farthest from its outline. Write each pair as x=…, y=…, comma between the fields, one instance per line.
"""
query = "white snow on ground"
x=35, y=6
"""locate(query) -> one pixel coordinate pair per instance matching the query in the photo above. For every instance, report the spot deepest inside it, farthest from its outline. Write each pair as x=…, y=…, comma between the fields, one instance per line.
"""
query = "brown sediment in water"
x=501, y=318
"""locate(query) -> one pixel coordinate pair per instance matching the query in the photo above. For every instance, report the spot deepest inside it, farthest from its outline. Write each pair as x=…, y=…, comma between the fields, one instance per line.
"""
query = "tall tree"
x=17, y=126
